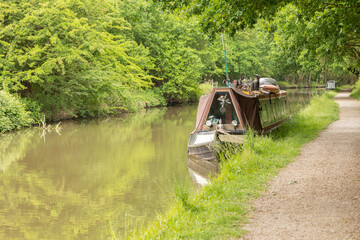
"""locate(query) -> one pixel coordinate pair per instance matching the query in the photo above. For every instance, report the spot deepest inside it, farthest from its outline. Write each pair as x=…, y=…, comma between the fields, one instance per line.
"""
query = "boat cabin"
x=236, y=109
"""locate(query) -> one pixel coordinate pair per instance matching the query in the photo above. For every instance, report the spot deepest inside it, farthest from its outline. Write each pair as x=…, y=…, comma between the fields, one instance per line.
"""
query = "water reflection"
x=298, y=98
x=98, y=176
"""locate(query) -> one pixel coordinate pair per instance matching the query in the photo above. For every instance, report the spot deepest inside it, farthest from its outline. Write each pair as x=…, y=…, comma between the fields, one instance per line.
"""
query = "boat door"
x=223, y=111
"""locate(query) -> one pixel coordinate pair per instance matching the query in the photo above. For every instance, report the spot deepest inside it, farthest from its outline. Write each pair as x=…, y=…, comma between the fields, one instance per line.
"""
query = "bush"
x=206, y=88
x=146, y=99
x=13, y=114
x=34, y=109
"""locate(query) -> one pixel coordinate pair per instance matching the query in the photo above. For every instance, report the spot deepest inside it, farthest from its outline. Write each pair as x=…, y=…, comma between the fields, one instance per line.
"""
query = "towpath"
x=318, y=195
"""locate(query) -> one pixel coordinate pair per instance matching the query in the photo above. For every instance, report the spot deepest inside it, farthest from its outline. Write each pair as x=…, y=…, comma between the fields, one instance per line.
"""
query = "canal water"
x=97, y=177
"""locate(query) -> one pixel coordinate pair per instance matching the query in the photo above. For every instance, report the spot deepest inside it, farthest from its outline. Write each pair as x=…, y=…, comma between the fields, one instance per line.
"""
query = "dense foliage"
x=13, y=113
x=323, y=40
x=79, y=58
x=310, y=37
x=68, y=55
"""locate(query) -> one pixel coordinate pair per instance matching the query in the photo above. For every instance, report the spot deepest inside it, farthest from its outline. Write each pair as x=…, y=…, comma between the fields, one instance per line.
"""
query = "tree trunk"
x=309, y=80
x=301, y=77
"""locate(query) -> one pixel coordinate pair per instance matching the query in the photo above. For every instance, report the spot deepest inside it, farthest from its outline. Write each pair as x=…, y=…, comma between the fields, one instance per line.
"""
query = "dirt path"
x=318, y=195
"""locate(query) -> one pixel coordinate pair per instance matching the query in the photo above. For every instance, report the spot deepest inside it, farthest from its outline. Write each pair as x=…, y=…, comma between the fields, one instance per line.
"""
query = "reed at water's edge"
x=220, y=209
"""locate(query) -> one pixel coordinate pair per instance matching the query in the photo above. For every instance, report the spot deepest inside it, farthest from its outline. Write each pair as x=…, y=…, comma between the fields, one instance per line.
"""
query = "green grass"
x=356, y=90
x=284, y=84
x=220, y=209
x=343, y=87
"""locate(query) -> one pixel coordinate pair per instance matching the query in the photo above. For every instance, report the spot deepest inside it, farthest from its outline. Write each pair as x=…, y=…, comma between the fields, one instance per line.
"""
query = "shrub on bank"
x=206, y=88
x=132, y=101
x=13, y=113
x=149, y=98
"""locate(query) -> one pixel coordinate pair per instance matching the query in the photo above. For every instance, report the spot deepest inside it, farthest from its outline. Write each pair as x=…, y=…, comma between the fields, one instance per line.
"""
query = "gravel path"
x=318, y=195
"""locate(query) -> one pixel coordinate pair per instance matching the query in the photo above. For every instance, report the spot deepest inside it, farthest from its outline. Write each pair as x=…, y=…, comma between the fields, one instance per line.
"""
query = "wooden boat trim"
x=236, y=107
x=274, y=125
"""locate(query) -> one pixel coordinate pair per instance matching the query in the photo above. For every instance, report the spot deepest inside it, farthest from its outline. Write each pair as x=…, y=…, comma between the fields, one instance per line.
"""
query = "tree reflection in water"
x=115, y=171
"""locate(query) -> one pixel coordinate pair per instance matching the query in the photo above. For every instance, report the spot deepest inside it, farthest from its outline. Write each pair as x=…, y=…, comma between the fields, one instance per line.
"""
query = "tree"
x=175, y=45
x=311, y=41
x=70, y=56
x=230, y=15
x=325, y=29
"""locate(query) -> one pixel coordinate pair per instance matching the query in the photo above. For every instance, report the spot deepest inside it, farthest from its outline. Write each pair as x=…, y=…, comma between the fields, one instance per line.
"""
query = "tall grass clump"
x=356, y=90
x=222, y=207
x=13, y=114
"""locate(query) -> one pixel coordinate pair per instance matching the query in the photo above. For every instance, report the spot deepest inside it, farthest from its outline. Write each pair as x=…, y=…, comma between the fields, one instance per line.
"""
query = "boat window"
x=277, y=109
x=282, y=106
x=264, y=114
x=271, y=112
x=222, y=108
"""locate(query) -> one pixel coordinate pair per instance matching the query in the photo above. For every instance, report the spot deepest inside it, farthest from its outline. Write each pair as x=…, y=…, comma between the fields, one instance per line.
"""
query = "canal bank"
x=316, y=196
x=221, y=208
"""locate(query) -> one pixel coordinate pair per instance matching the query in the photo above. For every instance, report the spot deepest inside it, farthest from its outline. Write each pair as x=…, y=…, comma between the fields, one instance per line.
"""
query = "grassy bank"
x=219, y=210
x=356, y=90
x=17, y=113
x=284, y=84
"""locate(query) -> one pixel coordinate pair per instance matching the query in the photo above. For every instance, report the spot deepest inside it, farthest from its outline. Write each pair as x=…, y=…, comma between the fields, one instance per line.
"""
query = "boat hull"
x=201, y=153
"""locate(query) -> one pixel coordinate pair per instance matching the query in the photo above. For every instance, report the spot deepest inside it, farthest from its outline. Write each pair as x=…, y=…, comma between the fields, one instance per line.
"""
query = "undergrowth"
x=220, y=209
x=13, y=113
x=206, y=88
x=356, y=90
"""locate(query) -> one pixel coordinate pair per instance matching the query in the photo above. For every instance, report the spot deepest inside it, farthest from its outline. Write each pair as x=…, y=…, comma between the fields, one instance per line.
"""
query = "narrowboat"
x=227, y=113
x=331, y=85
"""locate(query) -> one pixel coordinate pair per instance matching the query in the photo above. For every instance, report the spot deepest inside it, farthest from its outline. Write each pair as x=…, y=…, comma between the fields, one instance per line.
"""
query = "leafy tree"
x=68, y=55
x=326, y=31
x=174, y=44
x=231, y=15
x=309, y=41
x=248, y=54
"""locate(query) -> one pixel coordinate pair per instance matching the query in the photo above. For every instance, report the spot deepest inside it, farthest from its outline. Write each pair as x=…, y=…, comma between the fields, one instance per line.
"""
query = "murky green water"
x=97, y=176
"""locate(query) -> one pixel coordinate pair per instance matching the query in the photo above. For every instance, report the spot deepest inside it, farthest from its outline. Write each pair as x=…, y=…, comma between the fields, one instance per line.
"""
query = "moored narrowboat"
x=226, y=114
x=331, y=85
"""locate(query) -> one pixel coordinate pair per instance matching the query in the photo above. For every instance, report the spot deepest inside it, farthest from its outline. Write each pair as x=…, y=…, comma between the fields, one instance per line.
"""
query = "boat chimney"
x=257, y=82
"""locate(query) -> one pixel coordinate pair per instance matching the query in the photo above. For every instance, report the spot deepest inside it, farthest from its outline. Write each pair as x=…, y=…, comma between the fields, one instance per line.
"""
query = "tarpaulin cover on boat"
x=249, y=108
